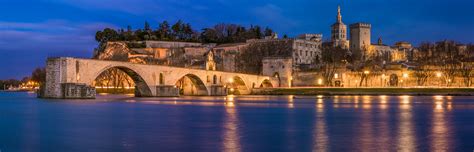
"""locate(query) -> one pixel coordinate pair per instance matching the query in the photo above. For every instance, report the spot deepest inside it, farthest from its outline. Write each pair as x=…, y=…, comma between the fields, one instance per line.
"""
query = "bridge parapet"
x=150, y=80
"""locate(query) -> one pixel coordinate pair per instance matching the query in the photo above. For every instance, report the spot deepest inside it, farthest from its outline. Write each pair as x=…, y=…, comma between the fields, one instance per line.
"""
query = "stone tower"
x=339, y=31
x=360, y=36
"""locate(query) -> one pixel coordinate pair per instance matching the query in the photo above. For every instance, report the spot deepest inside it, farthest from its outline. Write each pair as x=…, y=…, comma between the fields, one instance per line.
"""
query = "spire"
x=339, y=17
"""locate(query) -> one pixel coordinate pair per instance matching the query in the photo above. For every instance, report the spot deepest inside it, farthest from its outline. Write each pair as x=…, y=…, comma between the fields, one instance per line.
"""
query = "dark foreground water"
x=240, y=123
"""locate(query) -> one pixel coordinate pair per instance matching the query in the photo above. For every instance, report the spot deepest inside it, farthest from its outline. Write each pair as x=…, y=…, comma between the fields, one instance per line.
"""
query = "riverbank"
x=366, y=91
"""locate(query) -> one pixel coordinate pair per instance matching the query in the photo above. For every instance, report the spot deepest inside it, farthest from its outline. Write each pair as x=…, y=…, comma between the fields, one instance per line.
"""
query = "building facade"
x=360, y=36
x=339, y=32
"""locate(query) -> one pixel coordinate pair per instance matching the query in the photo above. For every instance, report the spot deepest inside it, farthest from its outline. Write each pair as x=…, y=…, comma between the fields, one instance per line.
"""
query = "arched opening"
x=192, y=85
x=236, y=86
x=121, y=80
x=214, y=80
x=266, y=84
x=162, y=79
x=393, y=80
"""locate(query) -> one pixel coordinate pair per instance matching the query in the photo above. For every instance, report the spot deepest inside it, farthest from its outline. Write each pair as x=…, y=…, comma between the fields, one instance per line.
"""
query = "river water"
x=237, y=123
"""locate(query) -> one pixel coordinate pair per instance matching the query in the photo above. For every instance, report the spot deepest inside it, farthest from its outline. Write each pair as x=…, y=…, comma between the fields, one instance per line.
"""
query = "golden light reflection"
x=366, y=102
x=439, y=131
x=366, y=127
x=406, y=139
x=383, y=102
x=229, y=101
x=405, y=102
x=320, y=104
x=356, y=101
x=291, y=99
x=320, y=137
x=231, y=139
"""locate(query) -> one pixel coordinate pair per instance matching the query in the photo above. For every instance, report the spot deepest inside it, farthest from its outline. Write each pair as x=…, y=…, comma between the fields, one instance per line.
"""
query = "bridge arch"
x=266, y=84
x=142, y=89
x=191, y=84
x=236, y=85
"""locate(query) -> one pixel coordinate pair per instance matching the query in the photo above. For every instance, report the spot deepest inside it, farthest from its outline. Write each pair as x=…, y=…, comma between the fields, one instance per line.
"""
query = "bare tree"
x=422, y=73
x=332, y=59
x=467, y=73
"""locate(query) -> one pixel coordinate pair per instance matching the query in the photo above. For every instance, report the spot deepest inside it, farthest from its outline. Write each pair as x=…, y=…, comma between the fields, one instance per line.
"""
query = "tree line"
x=183, y=32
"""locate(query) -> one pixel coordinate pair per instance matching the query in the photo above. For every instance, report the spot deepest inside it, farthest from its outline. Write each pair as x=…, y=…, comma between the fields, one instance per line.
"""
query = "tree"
x=467, y=73
x=331, y=59
x=268, y=32
x=177, y=30
x=39, y=75
x=422, y=73
x=164, y=31
x=250, y=58
x=106, y=35
x=147, y=27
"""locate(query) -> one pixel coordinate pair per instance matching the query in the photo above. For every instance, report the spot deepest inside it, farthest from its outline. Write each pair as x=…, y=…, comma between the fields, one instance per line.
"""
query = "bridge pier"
x=75, y=78
x=166, y=91
x=217, y=90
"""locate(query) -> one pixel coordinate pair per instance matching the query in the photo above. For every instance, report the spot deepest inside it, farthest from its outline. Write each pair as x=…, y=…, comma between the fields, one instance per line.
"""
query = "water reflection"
x=366, y=102
x=383, y=102
x=383, y=129
x=291, y=99
x=406, y=139
x=231, y=142
x=440, y=130
x=320, y=137
x=366, y=126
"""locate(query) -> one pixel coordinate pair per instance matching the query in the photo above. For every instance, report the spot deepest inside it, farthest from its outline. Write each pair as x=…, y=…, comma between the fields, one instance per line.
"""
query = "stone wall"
x=146, y=77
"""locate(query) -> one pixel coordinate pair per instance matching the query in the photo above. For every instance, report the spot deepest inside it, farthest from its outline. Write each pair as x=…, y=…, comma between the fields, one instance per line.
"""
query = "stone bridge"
x=75, y=78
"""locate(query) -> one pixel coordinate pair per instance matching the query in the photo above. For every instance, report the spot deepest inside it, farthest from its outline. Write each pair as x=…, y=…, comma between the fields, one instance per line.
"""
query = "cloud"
x=47, y=36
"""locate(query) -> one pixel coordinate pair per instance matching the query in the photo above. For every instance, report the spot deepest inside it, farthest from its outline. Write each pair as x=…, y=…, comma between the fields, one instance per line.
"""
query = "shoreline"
x=366, y=91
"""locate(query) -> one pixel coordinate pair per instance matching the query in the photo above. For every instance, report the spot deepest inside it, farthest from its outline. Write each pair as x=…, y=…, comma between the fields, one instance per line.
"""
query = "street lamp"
x=320, y=81
x=405, y=76
x=366, y=73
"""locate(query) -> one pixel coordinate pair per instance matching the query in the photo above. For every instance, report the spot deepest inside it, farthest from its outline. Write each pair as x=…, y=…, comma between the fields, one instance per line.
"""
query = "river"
x=237, y=123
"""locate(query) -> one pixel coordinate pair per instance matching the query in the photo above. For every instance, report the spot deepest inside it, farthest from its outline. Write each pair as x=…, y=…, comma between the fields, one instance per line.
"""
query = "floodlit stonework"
x=147, y=78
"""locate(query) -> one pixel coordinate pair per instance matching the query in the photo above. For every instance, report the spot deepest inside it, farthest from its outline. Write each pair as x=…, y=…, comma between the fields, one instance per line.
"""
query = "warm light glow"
x=336, y=76
x=366, y=72
x=383, y=76
x=405, y=75
x=438, y=74
x=231, y=80
x=290, y=101
x=320, y=101
x=231, y=89
x=320, y=81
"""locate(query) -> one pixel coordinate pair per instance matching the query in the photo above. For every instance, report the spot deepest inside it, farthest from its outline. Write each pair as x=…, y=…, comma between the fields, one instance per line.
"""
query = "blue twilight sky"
x=32, y=30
